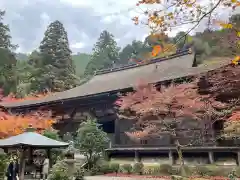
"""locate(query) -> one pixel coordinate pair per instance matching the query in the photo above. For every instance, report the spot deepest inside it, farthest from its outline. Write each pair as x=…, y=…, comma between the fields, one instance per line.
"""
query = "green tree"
x=58, y=69
x=91, y=141
x=8, y=60
x=235, y=20
x=136, y=50
x=202, y=49
x=57, y=154
x=24, y=73
x=105, y=54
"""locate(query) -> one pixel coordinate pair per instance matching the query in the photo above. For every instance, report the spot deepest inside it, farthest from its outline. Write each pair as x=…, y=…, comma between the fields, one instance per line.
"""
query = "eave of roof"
x=117, y=81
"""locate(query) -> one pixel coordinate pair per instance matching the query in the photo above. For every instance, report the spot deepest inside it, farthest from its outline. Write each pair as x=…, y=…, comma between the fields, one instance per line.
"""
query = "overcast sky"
x=84, y=20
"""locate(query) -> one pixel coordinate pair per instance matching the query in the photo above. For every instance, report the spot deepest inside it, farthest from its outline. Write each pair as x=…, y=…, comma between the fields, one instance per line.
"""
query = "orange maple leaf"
x=156, y=50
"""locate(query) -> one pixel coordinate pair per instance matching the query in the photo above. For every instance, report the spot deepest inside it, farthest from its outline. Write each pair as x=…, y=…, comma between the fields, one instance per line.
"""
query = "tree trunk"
x=180, y=156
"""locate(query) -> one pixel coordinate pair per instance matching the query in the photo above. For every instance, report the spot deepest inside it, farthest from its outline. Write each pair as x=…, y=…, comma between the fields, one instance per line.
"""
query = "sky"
x=83, y=20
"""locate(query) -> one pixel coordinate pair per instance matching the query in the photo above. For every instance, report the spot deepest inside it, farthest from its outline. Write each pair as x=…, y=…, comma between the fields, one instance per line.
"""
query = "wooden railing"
x=217, y=141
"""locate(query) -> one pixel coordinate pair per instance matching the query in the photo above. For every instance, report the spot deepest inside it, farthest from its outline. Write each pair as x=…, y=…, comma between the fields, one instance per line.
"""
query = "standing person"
x=45, y=168
x=13, y=169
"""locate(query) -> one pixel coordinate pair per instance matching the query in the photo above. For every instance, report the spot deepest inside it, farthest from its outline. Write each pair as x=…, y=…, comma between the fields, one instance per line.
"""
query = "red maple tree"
x=163, y=111
x=14, y=124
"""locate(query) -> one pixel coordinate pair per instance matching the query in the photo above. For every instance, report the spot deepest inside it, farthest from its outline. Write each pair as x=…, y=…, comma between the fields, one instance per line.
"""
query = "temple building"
x=96, y=98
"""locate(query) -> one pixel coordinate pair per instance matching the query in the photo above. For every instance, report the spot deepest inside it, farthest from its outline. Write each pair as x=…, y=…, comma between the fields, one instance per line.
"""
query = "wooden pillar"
x=136, y=156
x=171, y=158
x=49, y=155
x=211, y=157
x=30, y=155
x=22, y=164
x=238, y=158
x=117, y=131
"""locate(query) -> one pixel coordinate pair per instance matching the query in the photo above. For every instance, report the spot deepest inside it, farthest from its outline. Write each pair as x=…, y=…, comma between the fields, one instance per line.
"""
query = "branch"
x=198, y=22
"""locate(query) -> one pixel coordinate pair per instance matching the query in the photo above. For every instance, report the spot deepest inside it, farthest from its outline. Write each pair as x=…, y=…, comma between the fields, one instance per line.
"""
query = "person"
x=45, y=168
x=13, y=169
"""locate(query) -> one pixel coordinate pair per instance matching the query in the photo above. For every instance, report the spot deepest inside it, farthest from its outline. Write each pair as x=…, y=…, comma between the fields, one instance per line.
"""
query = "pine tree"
x=105, y=54
x=58, y=70
x=8, y=60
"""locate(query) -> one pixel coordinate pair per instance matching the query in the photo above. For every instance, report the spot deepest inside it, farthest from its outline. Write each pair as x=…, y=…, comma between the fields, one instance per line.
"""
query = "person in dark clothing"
x=13, y=169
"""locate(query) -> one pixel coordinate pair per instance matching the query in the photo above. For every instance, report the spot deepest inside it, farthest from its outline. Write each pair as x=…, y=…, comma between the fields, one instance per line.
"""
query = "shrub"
x=126, y=168
x=152, y=170
x=232, y=175
x=114, y=167
x=59, y=171
x=91, y=141
x=165, y=169
x=79, y=174
x=138, y=168
x=3, y=165
x=185, y=171
x=202, y=170
x=104, y=168
x=217, y=171
x=237, y=171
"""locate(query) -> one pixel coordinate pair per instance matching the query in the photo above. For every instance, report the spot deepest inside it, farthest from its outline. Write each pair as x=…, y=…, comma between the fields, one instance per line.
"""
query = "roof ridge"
x=152, y=61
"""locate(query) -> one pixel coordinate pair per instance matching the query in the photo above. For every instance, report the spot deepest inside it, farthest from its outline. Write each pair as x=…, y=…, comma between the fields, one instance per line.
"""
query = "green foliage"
x=212, y=170
x=135, y=51
x=105, y=54
x=91, y=141
x=51, y=133
x=8, y=60
x=79, y=174
x=3, y=165
x=56, y=67
x=165, y=169
x=138, y=168
x=218, y=171
x=152, y=170
x=104, y=168
x=237, y=170
x=59, y=171
x=57, y=154
x=202, y=50
x=180, y=39
x=126, y=168
x=232, y=175
x=81, y=60
x=24, y=70
x=185, y=171
x=114, y=167
x=202, y=170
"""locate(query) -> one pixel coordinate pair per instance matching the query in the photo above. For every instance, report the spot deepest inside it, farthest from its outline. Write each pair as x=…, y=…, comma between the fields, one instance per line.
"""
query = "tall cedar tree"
x=58, y=70
x=167, y=111
x=105, y=54
x=8, y=60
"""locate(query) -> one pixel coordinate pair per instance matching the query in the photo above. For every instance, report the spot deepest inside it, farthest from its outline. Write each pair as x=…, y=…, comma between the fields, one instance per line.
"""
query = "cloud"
x=83, y=21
